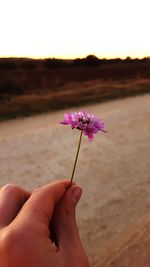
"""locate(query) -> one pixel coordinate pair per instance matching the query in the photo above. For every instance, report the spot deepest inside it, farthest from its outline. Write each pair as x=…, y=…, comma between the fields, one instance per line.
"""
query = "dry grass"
x=35, y=90
x=70, y=94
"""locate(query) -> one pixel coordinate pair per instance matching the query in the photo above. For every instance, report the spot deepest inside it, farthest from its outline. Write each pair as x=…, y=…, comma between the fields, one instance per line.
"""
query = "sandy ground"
x=113, y=170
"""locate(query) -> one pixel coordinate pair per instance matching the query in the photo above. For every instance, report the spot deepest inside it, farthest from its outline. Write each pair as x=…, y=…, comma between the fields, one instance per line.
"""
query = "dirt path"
x=113, y=171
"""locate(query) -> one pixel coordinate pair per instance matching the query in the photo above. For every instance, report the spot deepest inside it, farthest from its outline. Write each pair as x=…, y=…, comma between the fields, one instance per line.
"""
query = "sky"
x=74, y=28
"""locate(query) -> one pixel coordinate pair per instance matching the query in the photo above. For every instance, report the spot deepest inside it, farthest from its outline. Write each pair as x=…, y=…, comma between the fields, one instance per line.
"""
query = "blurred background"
x=62, y=56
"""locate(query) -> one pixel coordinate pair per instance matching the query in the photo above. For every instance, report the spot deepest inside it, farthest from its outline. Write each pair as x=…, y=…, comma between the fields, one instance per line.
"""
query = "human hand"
x=29, y=223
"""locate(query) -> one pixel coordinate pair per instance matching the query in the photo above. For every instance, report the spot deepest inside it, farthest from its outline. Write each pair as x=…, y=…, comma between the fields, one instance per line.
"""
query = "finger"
x=66, y=231
x=12, y=198
x=38, y=210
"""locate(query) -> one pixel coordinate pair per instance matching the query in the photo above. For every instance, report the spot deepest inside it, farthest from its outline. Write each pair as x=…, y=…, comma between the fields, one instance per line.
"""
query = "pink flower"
x=85, y=122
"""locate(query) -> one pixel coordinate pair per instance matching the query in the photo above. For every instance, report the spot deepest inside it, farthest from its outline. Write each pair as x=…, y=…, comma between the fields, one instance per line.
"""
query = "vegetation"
x=29, y=86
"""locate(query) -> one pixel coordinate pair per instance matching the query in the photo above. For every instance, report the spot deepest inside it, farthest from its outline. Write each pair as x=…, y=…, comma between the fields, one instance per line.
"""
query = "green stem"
x=75, y=163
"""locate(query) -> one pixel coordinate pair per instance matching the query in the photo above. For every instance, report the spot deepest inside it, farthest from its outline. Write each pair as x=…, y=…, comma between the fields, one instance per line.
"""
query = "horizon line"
x=72, y=58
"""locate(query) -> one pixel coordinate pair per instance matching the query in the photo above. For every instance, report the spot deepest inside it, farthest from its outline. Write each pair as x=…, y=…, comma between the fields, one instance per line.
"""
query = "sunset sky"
x=74, y=28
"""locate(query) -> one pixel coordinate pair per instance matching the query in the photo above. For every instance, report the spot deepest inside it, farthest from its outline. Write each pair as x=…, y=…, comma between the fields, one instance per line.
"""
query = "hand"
x=39, y=230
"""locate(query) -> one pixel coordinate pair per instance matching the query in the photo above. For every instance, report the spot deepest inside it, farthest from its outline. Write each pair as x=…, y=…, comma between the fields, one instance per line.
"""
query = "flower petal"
x=85, y=122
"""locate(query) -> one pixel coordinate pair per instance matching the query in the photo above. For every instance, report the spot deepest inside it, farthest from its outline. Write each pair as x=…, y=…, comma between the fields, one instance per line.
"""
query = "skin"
x=39, y=229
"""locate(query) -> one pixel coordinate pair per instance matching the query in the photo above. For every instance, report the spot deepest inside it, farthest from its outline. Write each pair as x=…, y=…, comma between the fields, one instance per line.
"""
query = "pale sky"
x=74, y=28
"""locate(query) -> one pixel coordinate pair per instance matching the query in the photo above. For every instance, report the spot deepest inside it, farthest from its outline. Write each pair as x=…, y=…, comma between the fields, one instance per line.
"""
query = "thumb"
x=66, y=231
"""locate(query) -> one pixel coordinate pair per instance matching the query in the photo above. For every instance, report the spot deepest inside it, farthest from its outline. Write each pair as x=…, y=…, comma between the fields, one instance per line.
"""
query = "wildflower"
x=85, y=122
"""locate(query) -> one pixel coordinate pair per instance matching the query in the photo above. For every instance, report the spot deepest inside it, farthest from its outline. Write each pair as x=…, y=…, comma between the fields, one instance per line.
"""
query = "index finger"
x=38, y=209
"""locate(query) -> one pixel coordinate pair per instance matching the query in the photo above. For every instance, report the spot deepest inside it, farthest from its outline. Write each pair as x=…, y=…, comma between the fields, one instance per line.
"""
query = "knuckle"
x=37, y=191
x=13, y=239
x=67, y=212
x=8, y=239
x=12, y=246
x=9, y=188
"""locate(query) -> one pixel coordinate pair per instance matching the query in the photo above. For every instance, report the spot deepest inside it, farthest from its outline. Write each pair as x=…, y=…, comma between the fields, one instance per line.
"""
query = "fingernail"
x=76, y=194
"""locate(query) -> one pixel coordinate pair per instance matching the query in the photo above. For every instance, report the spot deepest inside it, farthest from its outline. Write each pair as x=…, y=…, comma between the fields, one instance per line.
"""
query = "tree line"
x=54, y=63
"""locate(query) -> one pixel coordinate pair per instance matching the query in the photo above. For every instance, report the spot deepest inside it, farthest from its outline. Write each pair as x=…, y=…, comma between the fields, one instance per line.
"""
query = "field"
x=30, y=86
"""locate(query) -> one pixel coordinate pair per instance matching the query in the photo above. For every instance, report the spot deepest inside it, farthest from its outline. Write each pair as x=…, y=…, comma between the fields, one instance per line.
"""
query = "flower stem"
x=75, y=163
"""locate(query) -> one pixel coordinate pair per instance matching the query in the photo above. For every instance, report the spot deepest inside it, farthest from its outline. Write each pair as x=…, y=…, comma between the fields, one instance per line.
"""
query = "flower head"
x=85, y=122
